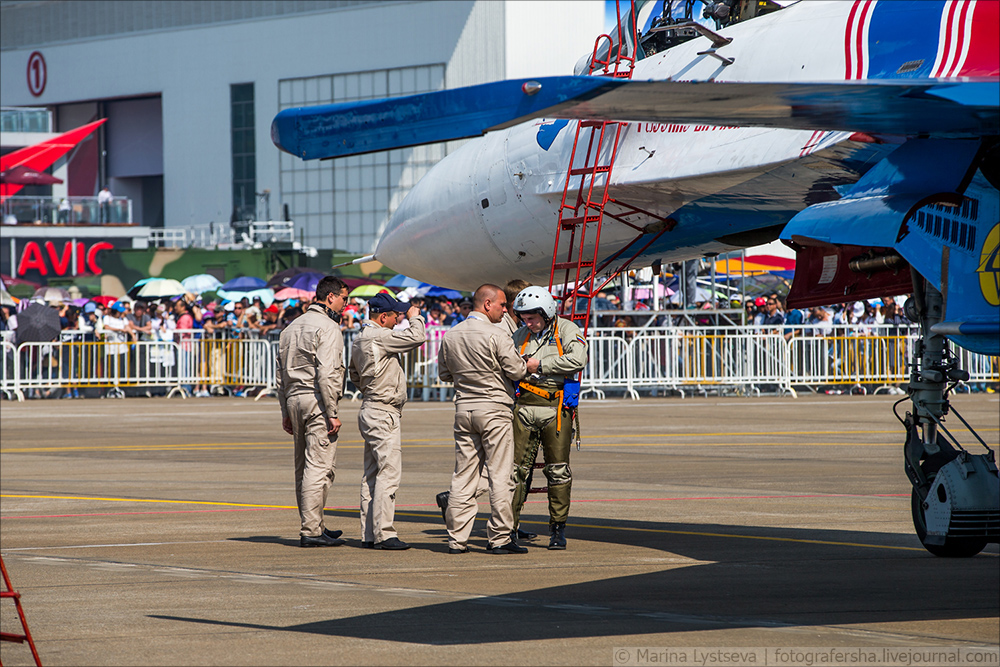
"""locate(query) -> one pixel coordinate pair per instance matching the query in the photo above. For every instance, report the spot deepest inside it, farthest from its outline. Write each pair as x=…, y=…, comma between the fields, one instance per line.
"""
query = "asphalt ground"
x=164, y=532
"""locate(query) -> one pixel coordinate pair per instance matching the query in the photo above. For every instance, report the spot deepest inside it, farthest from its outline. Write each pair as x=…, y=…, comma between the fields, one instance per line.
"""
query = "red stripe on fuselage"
x=956, y=57
x=984, y=48
x=866, y=13
x=948, y=44
x=848, y=55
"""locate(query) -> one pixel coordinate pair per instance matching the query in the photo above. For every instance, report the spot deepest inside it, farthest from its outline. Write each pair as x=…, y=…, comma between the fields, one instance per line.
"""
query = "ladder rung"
x=11, y=637
x=579, y=219
x=559, y=266
x=9, y=594
x=582, y=171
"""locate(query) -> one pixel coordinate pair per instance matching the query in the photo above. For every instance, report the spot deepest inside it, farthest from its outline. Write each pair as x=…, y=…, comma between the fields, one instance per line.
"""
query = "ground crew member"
x=481, y=360
x=377, y=373
x=310, y=382
x=546, y=404
x=509, y=324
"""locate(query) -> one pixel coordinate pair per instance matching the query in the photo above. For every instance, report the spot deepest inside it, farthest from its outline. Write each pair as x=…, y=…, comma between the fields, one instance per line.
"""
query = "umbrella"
x=353, y=282
x=133, y=291
x=104, y=300
x=368, y=291
x=292, y=293
x=9, y=281
x=441, y=292
x=37, y=323
x=279, y=279
x=23, y=175
x=265, y=293
x=201, y=282
x=52, y=294
x=244, y=284
x=401, y=281
x=6, y=299
x=305, y=281
x=160, y=288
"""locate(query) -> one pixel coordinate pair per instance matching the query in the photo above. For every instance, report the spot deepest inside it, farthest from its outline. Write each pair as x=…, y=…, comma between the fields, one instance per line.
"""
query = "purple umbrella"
x=305, y=281
x=244, y=284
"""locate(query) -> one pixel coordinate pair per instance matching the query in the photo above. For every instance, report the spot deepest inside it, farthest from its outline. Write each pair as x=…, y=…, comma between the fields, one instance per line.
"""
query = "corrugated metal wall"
x=32, y=24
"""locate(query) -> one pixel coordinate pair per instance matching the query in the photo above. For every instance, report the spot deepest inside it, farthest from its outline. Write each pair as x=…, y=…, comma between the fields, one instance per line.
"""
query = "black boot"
x=557, y=540
x=442, y=502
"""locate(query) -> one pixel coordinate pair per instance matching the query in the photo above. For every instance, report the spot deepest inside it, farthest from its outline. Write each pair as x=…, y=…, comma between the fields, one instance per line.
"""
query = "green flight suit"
x=542, y=421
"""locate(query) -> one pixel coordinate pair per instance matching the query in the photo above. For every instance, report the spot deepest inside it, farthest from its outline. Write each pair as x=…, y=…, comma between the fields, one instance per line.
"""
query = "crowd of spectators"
x=188, y=317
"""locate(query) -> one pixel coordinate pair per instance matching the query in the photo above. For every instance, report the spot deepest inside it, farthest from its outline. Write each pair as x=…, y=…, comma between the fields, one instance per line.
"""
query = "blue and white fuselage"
x=718, y=182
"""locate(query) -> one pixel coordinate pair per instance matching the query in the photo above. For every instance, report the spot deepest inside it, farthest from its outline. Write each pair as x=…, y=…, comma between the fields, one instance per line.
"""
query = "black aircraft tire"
x=953, y=547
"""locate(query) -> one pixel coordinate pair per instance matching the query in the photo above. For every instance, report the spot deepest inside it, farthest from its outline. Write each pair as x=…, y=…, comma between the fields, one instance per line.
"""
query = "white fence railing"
x=679, y=359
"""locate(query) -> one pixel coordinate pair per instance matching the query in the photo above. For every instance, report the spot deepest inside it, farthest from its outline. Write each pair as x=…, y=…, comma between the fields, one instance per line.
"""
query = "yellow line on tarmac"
x=355, y=444
x=245, y=445
x=424, y=514
x=704, y=534
x=662, y=531
x=149, y=500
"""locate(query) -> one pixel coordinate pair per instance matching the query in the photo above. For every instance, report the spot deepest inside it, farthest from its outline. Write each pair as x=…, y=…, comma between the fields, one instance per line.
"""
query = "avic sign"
x=38, y=253
x=50, y=261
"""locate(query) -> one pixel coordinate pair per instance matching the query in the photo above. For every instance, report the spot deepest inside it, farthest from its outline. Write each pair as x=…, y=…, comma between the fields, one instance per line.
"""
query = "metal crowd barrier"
x=684, y=360
x=9, y=376
x=185, y=361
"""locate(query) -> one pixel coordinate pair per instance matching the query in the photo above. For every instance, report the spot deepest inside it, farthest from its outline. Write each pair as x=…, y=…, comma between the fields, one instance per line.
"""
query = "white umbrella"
x=201, y=282
x=6, y=299
x=160, y=288
x=266, y=295
x=52, y=295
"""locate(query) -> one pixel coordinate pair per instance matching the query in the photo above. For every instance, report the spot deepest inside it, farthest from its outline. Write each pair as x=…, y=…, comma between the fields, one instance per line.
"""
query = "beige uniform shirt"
x=375, y=366
x=507, y=324
x=481, y=360
x=554, y=368
x=311, y=360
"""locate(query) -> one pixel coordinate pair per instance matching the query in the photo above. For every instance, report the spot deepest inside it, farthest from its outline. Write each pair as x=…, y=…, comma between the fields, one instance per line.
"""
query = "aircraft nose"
x=436, y=235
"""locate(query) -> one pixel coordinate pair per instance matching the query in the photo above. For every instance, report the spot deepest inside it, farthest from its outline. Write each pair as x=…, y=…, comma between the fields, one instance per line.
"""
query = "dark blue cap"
x=386, y=303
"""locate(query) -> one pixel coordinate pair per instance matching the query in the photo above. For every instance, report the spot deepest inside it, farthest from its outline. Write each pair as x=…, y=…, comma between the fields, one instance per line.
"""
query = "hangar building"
x=189, y=89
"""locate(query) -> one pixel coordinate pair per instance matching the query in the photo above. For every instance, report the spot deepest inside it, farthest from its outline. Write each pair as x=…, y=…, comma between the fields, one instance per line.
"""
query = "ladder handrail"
x=9, y=592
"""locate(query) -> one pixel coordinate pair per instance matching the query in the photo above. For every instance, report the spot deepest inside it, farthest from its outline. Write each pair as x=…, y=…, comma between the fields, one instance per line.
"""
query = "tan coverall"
x=538, y=420
x=377, y=372
x=481, y=360
x=310, y=382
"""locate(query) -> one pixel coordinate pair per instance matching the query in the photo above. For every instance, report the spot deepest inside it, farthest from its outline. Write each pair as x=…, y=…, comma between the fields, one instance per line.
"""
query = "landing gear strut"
x=956, y=494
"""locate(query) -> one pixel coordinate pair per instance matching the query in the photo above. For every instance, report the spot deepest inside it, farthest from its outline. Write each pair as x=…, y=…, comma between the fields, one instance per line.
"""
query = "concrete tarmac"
x=164, y=532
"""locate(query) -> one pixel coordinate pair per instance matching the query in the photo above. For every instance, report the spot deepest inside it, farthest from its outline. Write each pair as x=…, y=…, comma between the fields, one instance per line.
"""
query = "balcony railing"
x=222, y=234
x=76, y=211
x=26, y=119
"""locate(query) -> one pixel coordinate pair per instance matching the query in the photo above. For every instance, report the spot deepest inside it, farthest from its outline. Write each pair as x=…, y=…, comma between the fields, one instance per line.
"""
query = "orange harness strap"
x=541, y=392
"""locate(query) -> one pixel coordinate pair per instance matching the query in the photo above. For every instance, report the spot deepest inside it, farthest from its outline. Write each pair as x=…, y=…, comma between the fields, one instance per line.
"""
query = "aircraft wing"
x=950, y=108
x=42, y=156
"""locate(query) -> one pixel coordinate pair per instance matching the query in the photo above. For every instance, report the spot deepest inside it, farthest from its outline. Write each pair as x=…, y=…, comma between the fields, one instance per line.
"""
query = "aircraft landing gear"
x=956, y=495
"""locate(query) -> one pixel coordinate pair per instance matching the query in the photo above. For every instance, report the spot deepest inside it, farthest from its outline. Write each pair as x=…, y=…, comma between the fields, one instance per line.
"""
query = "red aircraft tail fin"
x=42, y=156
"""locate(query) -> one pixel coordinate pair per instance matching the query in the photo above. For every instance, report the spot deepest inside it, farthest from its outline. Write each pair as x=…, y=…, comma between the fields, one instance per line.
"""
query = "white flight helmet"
x=535, y=300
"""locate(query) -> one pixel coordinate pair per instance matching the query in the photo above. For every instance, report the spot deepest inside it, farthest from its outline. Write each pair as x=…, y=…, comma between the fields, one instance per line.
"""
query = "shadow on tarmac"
x=748, y=578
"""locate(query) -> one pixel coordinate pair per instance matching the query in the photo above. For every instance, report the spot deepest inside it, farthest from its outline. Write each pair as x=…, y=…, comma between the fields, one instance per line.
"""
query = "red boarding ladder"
x=583, y=205
x=8, y=592
x=590, y=198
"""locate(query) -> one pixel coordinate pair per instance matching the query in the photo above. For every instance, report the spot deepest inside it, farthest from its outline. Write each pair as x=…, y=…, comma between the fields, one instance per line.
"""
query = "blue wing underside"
x=940, y=130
